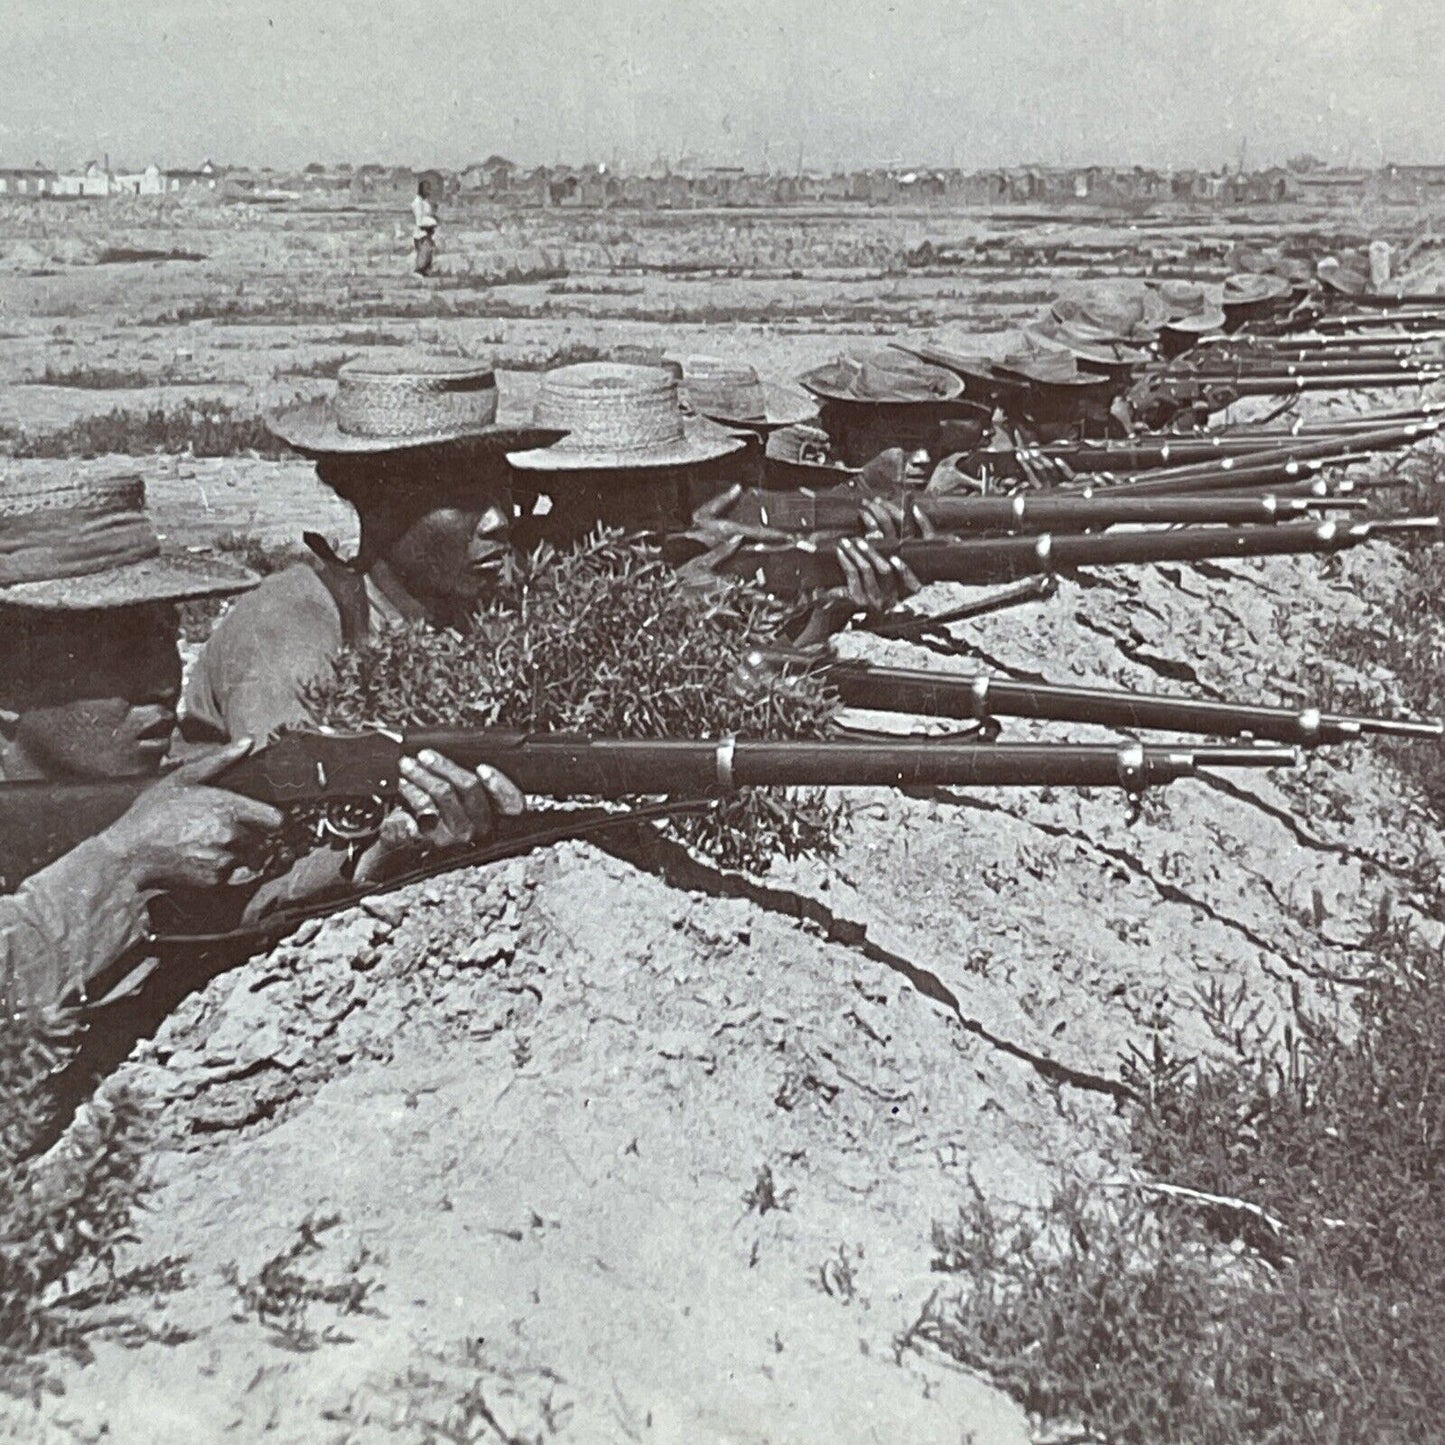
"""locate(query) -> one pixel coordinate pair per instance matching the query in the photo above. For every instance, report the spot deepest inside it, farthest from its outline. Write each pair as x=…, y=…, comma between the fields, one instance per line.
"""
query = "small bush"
x=1314, y=1314
x=281, y=1293
x=94, y=378
x=66, y=1213
x=570, y=354
x=604, y=640
x=120, y=255
x=206, y=428
x=323, y=368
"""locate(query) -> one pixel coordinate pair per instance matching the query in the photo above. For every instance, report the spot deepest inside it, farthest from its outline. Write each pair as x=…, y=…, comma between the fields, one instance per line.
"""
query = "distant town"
x=687, y=185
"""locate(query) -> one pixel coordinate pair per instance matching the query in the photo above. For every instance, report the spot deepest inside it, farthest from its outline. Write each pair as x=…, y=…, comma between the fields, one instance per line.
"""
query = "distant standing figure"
x=423, y=236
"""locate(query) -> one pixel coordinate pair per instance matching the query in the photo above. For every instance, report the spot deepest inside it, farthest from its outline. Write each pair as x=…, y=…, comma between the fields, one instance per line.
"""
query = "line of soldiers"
x=90, y=676
x=445, y=482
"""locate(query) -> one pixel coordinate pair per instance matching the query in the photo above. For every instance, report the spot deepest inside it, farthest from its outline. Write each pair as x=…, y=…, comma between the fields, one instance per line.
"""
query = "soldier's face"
x=458, y=549
x=96, y=692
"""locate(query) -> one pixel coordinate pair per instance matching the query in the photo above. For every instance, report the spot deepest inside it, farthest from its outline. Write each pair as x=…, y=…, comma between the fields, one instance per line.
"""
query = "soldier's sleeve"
x=251, y=676
x=65, y=924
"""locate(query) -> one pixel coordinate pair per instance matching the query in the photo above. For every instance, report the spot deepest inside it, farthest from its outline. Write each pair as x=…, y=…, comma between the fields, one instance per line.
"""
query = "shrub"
x=94, y=378
x=207, y=428
x=65, y=1213
x=605, y=640
x=322, y=368
x=1299, y=1292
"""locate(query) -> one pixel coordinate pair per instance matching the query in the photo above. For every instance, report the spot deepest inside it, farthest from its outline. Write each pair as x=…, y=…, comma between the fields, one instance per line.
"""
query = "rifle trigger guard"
x=726, y=751
x=1130, y=762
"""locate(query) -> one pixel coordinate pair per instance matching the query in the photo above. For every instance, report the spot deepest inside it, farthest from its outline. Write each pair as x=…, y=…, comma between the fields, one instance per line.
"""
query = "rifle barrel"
x=1023, y=512
x=613, y=767
x=803, y=566
x=978, y=696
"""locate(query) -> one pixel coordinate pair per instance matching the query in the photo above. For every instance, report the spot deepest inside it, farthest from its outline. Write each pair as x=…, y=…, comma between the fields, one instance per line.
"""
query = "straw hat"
x=805, y=448
x=1250, y=288
x=1192, y=308
x=882, y=378
x=618, y=417
x=1342, y=279
x=84, y=544
x=1049, y=368
x=1050, y=333
x=732, y=392
x=1110, y=310
x=395, y=400
x=974, y=370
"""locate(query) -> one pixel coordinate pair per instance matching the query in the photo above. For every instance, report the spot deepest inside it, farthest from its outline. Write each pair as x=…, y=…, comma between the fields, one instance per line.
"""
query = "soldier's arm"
x=67, y=923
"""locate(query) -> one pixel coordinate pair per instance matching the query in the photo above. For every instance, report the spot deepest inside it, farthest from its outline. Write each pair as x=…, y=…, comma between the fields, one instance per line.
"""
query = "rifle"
x=1283, y=385
x=1324, y=342
x=980, y=696
x=838, y=512
x=1220, y=366
x=794, y=568
x=1205, y=450
x=1228, y=474
x=335, y=788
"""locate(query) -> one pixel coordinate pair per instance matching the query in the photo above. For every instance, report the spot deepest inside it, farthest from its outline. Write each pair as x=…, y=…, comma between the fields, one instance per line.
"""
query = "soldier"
x=414, y=444
x=89, y=679
x=632, y=458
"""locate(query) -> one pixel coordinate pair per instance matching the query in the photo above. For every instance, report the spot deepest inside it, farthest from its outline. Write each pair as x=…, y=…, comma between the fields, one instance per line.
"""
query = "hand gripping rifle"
x=980, y=696
x=798, y=568
x=335, y=788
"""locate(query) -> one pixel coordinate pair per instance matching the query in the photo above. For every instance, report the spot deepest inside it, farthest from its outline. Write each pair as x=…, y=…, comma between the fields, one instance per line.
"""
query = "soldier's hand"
x=872, y=582
x=894, y=520
x=443, y=805
x=184, y=834
x=713, y=522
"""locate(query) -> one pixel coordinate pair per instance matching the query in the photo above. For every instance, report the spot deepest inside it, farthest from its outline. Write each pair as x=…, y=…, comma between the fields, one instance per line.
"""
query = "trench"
x=1136, y=866
x=648, y=850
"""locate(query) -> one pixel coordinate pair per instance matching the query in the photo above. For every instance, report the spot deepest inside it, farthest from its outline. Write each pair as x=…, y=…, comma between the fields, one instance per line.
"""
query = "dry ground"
x=629, y=1149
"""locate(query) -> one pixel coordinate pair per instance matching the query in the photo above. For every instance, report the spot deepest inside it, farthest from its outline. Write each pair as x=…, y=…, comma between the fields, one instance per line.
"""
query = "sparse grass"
x=65, y=1213
x=204, y=428
x=94, y=378
x=606, y=640
x=1276, y=1273
x=1297, y=1296
x=320, y=368
x=280, y=1294
x=765, y=1196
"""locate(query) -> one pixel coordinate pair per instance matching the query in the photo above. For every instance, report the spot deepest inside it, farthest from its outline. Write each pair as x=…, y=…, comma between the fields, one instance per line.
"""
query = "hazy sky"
x=969, y=82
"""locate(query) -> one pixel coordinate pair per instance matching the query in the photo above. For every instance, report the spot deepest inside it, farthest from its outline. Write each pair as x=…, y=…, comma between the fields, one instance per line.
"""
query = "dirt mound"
x=673, y=1153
